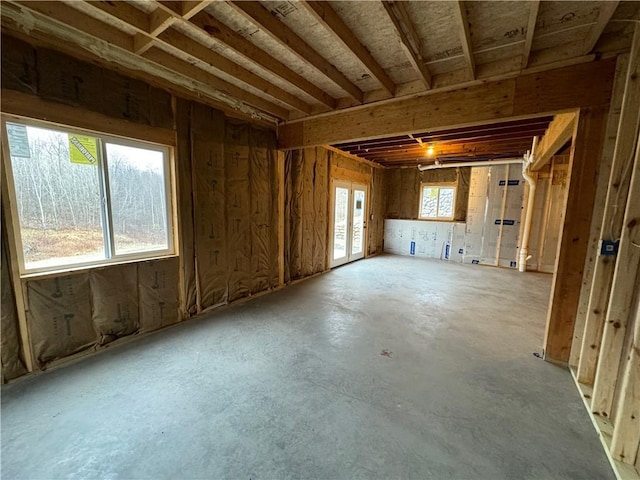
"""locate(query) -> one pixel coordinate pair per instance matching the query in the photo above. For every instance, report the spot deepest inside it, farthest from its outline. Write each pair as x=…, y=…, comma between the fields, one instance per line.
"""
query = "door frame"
x=350, y=184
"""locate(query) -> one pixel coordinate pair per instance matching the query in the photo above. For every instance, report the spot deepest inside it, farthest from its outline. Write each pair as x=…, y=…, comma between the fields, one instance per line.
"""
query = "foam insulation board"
x=158, y=293
x=421, y=238
x=114, y=301
x=11, y=350
x=59, y=316
x=494, y=215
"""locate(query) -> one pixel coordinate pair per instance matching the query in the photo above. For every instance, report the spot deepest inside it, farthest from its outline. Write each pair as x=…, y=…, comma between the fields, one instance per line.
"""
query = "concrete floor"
x=392, y=367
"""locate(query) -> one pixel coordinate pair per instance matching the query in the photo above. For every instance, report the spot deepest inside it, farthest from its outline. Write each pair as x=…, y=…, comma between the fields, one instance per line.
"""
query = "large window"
x=437, y=202
x=82, y=198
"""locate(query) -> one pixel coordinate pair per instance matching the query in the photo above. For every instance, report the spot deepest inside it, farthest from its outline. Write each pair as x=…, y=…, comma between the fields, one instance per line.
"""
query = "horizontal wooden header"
x=535, y=94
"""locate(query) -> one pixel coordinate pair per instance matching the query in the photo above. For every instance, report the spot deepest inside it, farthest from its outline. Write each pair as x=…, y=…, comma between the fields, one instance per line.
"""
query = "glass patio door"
x=349, y=217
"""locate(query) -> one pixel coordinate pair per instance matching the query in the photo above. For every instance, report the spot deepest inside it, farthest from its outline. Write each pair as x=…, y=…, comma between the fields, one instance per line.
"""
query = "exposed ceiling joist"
x=531, y=28
x=323, y=12
x=267, y=22
x=223, y=34
x=465, y=37
x=408, y=39
x=607, y=10
x=183, y=47
x=73, y=27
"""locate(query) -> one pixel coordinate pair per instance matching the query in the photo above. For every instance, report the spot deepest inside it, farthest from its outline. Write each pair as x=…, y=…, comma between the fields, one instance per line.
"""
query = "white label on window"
x=18, y=140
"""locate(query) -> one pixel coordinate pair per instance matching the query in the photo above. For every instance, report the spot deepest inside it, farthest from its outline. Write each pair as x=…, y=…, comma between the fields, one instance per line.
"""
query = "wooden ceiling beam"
x=277, y=30
x=607, y=10
x=409, y=39
x=526, y=96
x=328, y=17
x=190, y=8
x=67, y=24
x=240, y=45
x=179, y=42
x=531, y=28
x=465, y=37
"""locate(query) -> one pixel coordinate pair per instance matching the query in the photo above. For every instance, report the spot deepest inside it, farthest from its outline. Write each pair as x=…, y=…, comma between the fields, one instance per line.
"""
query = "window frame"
x=106, y=214
x=438, y=185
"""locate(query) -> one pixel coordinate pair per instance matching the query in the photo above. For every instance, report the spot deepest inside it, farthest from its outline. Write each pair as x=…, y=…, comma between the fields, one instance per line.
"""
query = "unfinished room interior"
x=320, y=239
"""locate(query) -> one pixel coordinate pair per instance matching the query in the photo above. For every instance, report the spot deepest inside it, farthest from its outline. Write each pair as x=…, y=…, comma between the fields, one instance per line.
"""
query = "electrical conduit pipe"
x=528, y=218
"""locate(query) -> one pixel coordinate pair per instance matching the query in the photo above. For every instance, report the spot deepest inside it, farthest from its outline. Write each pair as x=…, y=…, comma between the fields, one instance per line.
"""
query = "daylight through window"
x=84, y=198
x=437, y=202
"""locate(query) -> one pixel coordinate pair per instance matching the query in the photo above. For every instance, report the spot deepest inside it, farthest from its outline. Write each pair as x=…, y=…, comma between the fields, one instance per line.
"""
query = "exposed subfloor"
x=391, y=367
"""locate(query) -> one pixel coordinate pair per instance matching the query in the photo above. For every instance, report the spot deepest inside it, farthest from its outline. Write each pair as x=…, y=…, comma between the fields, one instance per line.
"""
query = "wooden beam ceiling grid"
x=250, y=58
x=249, y=19
x=409, y=39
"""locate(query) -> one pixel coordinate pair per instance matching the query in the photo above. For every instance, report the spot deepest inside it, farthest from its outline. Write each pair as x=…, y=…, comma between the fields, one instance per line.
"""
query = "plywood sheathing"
x=441, y=46
x=209, y=41
x=495, y=25
x=253, y=33
x=12, y=356
x=370, y=23
x=618, y=34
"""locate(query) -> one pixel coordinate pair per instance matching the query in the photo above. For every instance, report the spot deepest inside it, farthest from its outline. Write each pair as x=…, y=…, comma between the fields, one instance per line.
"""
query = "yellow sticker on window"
x=83, y=149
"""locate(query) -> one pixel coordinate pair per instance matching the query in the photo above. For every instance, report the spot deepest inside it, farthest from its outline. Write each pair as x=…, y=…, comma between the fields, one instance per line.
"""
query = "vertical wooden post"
x=623, y=288
x=586, y=150
x=604, y=177
x=281, y=246
x=626, y=433
x=611, y=221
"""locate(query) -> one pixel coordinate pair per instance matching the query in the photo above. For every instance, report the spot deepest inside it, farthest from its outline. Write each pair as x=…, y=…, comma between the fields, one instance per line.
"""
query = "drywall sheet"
x=422, y=238
x=158, y=293
x=185, y=193
x=238, y=210
x=12, y=355
x=208, y=170
x=114, y=298
x=59, y=316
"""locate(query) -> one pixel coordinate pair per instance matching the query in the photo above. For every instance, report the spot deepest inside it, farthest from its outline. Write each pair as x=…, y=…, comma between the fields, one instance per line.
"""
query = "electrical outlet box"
x=609, y=247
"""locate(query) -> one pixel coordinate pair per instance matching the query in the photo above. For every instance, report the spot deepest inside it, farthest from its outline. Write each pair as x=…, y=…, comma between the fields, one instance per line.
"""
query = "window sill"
x=86, y=268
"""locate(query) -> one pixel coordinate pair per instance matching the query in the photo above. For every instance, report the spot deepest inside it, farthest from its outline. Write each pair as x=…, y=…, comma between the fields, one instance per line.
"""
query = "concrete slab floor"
x=391, y=367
